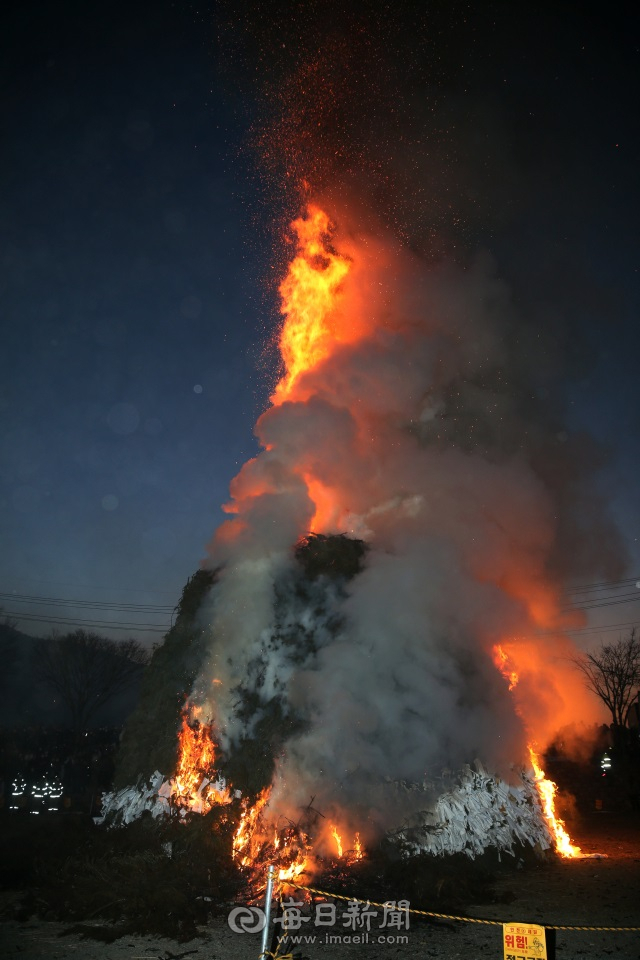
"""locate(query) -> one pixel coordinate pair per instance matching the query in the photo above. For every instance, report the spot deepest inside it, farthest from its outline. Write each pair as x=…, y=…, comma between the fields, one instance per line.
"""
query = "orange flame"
x=358, y=850
x=295, y=870
x=255, y=842
x=247, y=841
x=338, y=839
x=546, y=789
x=196, y=760
x=309, y=294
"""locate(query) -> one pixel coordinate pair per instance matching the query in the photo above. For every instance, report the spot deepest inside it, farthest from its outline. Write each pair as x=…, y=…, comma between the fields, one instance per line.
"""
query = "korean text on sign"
x=524, y=941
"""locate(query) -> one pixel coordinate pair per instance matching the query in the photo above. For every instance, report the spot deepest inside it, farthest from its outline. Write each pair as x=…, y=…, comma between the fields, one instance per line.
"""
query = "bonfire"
x=311, y=714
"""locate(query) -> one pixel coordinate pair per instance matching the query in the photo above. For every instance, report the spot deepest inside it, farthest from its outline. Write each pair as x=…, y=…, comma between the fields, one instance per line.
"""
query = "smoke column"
x=409, y=414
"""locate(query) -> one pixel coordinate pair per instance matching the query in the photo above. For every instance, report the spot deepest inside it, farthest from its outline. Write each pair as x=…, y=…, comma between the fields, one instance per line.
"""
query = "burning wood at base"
x=467, y=814
x=478, y=812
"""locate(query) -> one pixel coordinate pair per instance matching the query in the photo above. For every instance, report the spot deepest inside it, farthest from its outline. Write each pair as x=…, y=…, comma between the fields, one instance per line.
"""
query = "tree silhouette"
x=613, y=674
x=87, y=670
x=9, y=649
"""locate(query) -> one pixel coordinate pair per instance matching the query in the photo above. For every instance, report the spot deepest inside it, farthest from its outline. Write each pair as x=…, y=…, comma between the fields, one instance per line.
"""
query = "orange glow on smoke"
x=310, y=292
x=546, y=789
x=324, y=502
x=501, y=660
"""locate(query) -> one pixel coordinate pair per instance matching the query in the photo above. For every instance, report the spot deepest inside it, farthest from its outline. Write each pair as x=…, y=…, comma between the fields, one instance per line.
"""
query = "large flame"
x=247, y=841
x=338, y=839
x=348, y=441
x=309, y=295
x=197, y=787
x=546, y=788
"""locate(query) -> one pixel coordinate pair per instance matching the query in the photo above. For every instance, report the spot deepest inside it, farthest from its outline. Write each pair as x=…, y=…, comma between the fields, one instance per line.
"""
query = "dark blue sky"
x=131, y=313
x=133, y=306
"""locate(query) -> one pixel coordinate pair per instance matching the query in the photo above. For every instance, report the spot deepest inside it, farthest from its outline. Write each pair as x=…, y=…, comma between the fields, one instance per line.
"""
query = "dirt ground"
x=596, y=892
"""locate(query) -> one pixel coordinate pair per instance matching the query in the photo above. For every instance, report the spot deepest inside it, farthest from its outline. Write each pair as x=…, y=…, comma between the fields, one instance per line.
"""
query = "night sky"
x=140, y=226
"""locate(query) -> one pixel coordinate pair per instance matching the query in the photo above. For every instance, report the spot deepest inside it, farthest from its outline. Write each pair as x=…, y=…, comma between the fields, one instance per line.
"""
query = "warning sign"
x=524, y=941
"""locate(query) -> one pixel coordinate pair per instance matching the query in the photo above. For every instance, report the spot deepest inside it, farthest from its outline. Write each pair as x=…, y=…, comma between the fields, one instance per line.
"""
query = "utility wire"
x=605, y=602
x=593, y=603
x=602, y=628
x=105, y=624
x=605, y=585
x=95, y=604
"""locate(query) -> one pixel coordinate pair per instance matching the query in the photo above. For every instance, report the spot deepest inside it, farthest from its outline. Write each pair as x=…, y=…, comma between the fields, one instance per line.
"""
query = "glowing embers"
x=294, y=856
x=197, y=787
x=298, y=850
x=257, y=843
x=309, y=295
x=545, y=788
x=501, y=660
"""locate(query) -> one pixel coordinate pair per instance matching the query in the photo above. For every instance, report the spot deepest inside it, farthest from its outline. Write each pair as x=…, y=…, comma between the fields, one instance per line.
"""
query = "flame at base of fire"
x=196, y=785
x=258, y=842
x=352, y=855
x=196, y=788
x=547, y=790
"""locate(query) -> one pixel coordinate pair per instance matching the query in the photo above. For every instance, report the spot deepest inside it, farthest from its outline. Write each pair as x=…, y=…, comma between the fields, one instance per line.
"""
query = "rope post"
x=271, y=870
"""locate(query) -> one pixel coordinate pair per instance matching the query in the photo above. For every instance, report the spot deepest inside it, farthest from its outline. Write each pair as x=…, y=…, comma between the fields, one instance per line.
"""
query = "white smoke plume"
x=422, y=434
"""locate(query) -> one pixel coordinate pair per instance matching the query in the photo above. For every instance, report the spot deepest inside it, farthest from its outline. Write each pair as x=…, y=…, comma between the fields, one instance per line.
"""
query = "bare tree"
x=9, y=649
x=87, y=670
x=613, y=674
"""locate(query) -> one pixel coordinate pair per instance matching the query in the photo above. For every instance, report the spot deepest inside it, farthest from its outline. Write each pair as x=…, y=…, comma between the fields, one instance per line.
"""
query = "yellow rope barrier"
x=449, y=916
x=277, y=955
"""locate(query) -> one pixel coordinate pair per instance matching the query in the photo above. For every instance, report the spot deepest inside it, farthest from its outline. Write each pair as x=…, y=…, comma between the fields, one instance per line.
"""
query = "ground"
x=599, y=892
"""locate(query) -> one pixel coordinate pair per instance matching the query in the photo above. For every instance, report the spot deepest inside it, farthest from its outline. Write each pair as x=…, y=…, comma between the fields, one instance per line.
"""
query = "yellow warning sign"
x=524, y=941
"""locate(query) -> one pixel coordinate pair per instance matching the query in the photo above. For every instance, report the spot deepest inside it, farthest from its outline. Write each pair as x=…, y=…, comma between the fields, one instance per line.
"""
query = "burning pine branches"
x=197, y=787
x=479, y=812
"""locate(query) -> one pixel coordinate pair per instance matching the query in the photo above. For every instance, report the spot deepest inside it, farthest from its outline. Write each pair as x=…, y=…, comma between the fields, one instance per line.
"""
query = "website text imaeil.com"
x=356, y=919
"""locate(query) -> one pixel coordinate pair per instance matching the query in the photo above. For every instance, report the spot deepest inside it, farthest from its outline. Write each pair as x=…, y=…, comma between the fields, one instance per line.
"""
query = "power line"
x=605, y=585
x=109, y=604
x=94, y=604
x=133, y=608
x=605, y=602
x=104, y=624
x=603, y=628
